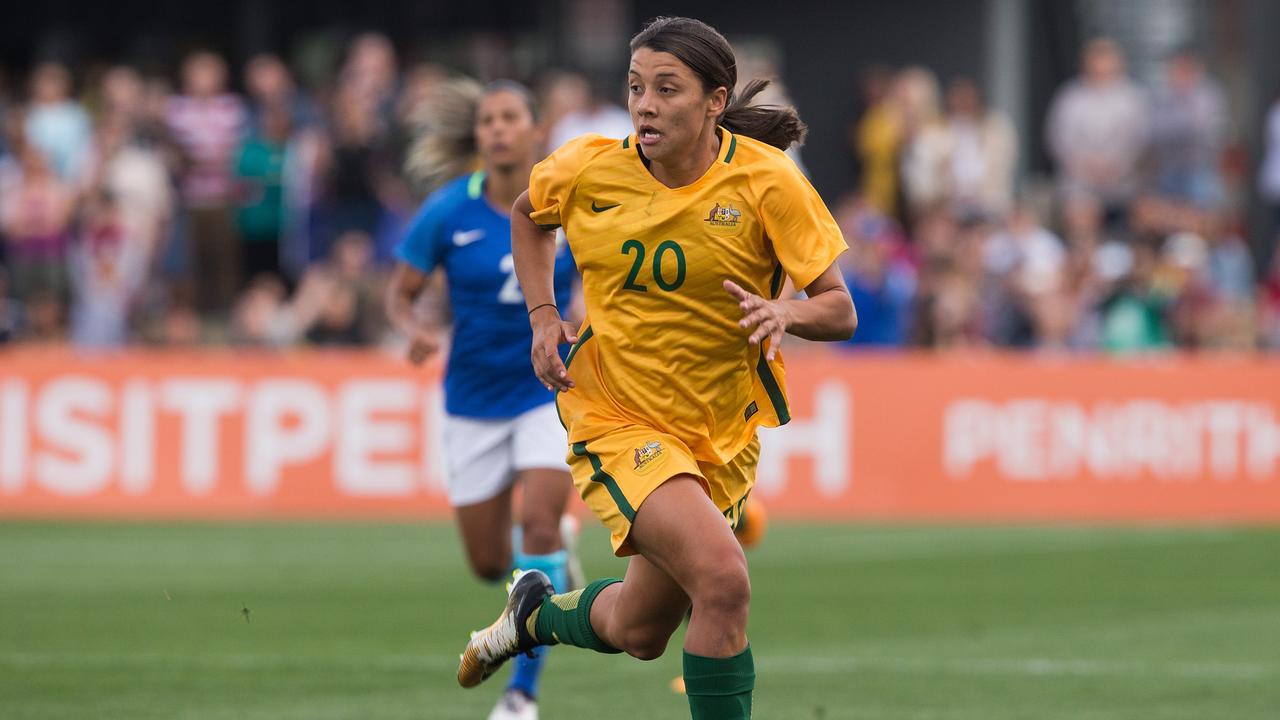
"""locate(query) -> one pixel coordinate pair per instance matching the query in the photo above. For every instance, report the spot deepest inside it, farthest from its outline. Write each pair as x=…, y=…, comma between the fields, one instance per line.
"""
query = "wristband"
x=535, y=307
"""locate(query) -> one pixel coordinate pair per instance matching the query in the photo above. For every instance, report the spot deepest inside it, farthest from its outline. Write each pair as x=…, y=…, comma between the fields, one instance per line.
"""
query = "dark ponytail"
x=711, y=58
x=779, y=126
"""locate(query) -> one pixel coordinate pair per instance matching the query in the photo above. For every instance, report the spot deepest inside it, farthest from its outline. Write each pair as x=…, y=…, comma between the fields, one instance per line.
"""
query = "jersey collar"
x=728, y=146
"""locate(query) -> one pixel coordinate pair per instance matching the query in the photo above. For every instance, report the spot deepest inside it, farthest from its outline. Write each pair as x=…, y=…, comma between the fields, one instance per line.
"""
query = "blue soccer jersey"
x=489, y=374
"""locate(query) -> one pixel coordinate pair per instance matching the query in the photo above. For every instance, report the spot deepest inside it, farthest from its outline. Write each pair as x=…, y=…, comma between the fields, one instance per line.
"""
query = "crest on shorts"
x=647, y=453
x=724, y=216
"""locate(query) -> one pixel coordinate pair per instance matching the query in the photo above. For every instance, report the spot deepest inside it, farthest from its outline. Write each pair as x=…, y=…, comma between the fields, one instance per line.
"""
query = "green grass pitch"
x=346, y=621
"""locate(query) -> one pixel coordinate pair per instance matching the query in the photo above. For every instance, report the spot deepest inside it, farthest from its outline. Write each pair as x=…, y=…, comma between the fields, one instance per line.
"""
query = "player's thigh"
x=682, y=532
x=538, y=446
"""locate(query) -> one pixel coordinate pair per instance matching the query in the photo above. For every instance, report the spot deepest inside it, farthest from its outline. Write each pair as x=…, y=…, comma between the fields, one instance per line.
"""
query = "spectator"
x=269, y=85
x=108, y=269
x=877, y=138
x=351, y=310
x=966, y=162
x=1269, y=172
x=949, y=311
x=1096, y=263
x=262, y=318
x=580, y=111
x=982, y=153
x=370, y=73
x=208, y=123
x=921, y=141
x=137, y=181
x=36, y=213
x=1135, y=317
x=124, y=95
x=1188, y=123
x=881, y=281
x=1026, y=265
x=361, y=169
x=1097, y=129
x=1184, y=278
x=872, y=86
x=56, y=125
x=260, y=176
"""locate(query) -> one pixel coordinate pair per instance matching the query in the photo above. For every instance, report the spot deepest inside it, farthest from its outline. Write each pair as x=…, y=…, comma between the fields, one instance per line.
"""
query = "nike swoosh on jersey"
x=602, y=208
x=466, y=237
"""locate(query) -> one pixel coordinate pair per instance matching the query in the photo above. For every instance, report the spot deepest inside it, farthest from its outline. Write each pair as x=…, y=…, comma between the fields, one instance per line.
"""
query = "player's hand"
x=549, y=333
x=422, y=345
x=769, y=318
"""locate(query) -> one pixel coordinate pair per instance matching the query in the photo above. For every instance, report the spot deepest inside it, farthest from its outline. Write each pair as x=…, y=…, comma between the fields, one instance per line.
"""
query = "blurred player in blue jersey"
x=501, y=426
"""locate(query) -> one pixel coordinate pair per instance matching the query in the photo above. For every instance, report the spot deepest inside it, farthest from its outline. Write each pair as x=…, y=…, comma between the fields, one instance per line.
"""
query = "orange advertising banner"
x=223, y=434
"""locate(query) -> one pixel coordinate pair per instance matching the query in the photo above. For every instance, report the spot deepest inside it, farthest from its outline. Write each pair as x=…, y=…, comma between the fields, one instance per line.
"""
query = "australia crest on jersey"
x=724, y=218
x=647, y=453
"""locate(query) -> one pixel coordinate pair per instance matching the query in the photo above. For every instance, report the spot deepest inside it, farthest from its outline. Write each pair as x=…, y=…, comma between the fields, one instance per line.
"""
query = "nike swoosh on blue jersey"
x=466, y=237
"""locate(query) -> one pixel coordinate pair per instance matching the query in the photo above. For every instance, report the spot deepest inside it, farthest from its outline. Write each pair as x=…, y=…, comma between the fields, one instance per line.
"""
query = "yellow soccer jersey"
x=661, y=345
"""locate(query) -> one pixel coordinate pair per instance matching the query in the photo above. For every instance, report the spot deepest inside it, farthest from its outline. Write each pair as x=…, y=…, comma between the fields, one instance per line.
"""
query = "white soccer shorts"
x=482, y=457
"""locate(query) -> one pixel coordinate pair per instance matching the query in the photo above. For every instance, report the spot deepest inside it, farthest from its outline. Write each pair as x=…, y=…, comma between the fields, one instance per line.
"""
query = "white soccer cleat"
x=507, y=637
x=570, y=529
x=515, y=705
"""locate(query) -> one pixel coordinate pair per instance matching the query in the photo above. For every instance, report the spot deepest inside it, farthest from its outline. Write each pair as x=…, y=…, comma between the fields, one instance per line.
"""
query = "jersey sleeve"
x=423, y=245
x=805, y=237
x=552, y=180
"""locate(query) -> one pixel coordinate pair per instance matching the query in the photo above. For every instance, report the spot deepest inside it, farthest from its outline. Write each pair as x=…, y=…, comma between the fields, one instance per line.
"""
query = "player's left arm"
x=807, y=242
x=825, y=314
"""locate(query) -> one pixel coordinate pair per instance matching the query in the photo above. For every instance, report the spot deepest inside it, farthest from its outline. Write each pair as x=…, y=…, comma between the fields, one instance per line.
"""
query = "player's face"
x=505, y=131
x=669, y=106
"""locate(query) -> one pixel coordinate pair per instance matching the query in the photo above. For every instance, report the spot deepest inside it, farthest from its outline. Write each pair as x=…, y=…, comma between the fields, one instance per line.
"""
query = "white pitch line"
x=1208, y=670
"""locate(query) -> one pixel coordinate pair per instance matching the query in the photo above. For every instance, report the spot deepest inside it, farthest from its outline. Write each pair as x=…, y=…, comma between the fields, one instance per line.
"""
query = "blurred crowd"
x=139, y=209
x=1136, y=243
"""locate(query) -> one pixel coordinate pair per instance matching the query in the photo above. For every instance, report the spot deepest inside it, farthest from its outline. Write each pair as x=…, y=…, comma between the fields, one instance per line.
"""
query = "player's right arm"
x=407, y=285
x=420, y=253
x=533, y=249
x=534, y=218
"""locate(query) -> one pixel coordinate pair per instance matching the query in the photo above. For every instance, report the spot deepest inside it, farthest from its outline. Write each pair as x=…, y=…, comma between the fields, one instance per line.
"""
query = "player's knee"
x=724, y=589
x=541, y=534
x=645, y=643
x=490, y=569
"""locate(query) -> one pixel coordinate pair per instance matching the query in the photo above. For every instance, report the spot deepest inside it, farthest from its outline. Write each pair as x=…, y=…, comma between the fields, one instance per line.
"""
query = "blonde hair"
x=444, y=145
x=445, y=126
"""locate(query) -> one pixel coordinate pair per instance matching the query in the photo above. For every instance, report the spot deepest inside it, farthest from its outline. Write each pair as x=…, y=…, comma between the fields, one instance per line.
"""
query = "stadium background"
x=988, y=512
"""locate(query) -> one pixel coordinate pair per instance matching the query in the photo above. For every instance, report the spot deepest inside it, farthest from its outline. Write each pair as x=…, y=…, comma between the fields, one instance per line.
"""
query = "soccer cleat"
x=507, y=637
x=515, y=705
x=570, y=528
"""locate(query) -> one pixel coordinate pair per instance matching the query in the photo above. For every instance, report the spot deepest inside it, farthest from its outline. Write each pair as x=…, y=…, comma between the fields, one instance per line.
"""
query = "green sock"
x=566, y=619
x=719, y=688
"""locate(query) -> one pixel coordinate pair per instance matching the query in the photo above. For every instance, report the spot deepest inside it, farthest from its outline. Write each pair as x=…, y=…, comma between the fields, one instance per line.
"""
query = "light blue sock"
x=527, y=669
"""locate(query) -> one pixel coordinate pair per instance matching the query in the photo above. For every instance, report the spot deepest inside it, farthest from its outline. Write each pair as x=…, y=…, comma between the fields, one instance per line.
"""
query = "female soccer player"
x=500, y=426
x=682, y=232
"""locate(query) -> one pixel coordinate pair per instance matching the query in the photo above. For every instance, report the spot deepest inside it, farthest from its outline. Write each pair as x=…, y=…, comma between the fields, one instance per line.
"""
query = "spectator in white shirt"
x=1097, y=130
